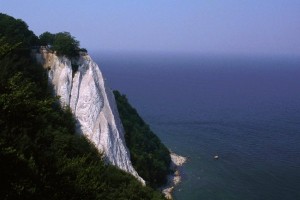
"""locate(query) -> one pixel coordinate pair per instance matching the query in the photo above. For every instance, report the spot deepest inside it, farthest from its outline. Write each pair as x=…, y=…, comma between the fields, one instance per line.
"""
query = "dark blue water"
x=246, y=110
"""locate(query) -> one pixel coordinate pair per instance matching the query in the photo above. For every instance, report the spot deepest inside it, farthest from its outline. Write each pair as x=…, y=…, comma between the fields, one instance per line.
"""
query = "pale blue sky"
x=193, y=26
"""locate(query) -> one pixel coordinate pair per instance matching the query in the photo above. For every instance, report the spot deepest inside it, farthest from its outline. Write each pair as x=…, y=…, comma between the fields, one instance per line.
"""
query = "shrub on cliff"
x=47, y=38
x=63, y=43
x=149, y=156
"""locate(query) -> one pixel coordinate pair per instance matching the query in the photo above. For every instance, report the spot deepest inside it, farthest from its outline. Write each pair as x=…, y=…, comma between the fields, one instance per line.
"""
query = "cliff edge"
x=83, y=88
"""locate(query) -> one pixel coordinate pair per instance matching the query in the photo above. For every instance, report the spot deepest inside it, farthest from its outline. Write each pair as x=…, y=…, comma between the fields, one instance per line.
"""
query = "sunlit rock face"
x=92, y=103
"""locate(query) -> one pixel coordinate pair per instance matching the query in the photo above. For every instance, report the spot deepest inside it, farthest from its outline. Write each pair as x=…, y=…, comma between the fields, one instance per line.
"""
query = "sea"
x=245, y=109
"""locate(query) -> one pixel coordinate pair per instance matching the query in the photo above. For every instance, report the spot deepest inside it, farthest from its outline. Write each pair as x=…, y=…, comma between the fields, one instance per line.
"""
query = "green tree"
x=47, y=38
x=65, y=44
x=16, y=31
x=6, y=48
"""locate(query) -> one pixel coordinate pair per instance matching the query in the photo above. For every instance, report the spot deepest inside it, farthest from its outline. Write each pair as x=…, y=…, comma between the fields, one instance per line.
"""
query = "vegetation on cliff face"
x=149, y=156
x=41, y=157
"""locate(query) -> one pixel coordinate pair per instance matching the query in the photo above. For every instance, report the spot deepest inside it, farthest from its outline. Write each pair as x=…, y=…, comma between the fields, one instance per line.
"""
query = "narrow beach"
x=175, y=178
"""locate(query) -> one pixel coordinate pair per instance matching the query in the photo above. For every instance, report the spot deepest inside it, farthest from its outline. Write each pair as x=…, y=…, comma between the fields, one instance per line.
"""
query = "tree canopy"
x=63, y=43
x=47, y=38
x=16, y=31
x=41, y=156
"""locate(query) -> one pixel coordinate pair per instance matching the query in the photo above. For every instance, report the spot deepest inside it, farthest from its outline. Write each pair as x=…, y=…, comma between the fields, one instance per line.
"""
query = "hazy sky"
x=198, y=26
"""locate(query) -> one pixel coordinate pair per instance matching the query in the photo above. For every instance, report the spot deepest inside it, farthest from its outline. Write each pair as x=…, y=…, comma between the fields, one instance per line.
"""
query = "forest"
x=41, y=156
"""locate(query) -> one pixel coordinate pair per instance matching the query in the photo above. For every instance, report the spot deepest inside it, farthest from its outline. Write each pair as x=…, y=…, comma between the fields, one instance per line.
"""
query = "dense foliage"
x=16, y=31
x=65, y=44
x=47, y=38
x=62, y=43
x=150, y=157
x=41, y=157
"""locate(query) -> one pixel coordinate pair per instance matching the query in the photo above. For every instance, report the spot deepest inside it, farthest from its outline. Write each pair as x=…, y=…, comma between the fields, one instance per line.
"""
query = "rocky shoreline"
x=175, y=178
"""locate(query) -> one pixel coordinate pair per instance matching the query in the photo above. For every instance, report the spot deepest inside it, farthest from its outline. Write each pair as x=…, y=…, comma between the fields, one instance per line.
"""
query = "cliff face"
x=92, y=103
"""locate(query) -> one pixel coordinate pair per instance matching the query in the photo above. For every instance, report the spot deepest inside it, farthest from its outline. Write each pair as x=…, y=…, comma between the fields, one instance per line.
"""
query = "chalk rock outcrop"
x=84, y=89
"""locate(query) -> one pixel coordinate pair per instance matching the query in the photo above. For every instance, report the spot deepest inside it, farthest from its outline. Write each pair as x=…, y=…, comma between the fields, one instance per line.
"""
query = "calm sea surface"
x=246, y=110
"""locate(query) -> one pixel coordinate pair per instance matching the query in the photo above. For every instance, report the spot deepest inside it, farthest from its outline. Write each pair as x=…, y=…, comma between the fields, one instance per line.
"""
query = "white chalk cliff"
x=92, y=103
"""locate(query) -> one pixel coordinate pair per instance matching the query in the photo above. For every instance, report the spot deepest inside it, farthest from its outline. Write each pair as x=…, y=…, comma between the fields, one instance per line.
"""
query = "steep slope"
x=92, y=103
x=149, y=155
